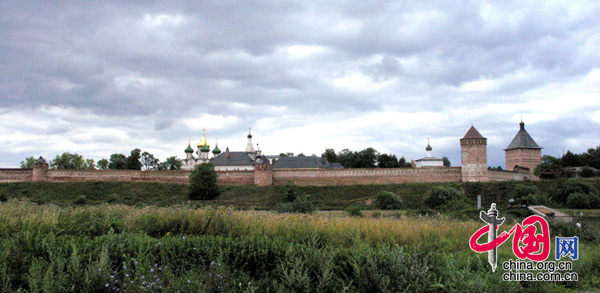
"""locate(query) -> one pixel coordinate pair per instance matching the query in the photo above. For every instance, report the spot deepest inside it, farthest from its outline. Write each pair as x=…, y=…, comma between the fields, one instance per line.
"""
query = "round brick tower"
x=473, y=156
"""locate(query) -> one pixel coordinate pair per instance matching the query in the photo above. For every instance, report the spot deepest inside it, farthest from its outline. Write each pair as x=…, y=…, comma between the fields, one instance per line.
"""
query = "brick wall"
x=236, y=177
x=118, y=175
x=497, y=175
x=299, y=176
x=365, y=176
x=15, y=175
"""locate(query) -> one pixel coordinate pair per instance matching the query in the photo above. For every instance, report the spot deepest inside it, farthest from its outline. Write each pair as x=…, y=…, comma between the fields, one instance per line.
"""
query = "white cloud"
x=305, y=76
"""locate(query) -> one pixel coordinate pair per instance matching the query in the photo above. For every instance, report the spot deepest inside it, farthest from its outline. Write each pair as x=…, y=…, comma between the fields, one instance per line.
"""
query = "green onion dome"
x=189, y=149
x=216, y=151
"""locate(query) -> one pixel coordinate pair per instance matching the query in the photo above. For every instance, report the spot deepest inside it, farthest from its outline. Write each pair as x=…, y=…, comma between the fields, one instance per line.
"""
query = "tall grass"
x=110, y=247
x=223, y=221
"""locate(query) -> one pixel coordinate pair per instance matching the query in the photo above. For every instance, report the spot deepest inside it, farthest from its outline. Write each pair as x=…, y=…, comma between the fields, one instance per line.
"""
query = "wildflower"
x=112, y=277
x=152, y=270
x=189, y=281
x=106, y=285
x=168, y=234
x=183, y=237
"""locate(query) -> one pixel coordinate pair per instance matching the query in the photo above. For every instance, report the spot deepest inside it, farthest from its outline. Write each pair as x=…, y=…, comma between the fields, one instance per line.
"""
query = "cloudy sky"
x=102, y=77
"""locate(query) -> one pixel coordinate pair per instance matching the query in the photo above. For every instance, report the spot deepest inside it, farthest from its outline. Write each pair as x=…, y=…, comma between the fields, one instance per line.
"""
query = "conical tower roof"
x=473, y=134
x=522, y=140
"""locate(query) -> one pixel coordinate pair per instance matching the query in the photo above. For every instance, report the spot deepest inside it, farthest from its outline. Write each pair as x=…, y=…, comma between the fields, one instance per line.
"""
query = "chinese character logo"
x=567, y=246
x=527, y=244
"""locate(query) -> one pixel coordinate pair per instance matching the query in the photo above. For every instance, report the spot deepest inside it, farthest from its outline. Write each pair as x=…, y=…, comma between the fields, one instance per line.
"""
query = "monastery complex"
x=251, y=167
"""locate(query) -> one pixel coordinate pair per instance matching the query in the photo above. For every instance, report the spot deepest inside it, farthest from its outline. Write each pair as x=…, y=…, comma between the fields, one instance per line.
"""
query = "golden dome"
x=203, y=142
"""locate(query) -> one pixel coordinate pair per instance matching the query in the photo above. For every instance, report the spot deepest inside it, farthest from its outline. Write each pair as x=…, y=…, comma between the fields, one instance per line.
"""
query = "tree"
x=117, y=162
x=403, y=163
x=89, y=164
x=346, y=158
x=549, y=163
x=171, y=163
x=68, y=161
x=446, y=162
x=133, y=161
x=149, y=162
x=330, y=156
x=103, y=164
x=295, y=200
x=570, y=160
x=203, y=182
x=367, y=158
x=388, y=161
x=28, y=163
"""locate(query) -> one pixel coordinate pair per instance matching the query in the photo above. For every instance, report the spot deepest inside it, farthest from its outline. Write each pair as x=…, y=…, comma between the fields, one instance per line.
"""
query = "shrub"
x=574, y=186
x=530, y=199
x=594, y=201
x=354, y=211
x=522, y=190
x=302, y=204
x=376, y=215
x=439, y=196
x=82, y=199
x=203, y=182
x=112, y=198
x=291, y=191
x=388, y=201
x=3, y=198
x=587, y=172
x=578, y=201
x=526, y=194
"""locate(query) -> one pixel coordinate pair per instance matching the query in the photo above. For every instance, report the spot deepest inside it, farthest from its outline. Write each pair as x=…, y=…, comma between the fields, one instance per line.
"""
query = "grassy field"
x=113, y=247
x=258, y=197
x=148, y=237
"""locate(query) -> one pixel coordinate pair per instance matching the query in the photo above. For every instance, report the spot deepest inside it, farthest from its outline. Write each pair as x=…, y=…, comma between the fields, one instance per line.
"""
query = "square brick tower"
x=473, y=151
x=523, y=151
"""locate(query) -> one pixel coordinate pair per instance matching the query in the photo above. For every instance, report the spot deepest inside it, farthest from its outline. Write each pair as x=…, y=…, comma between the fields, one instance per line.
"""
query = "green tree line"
x=137, y=160
x=556, y=166
x=368, y=158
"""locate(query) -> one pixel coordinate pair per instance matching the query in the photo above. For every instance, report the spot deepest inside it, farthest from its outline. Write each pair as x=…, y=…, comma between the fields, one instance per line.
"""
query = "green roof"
x=189, y=149
x=205, y=149
x=216, y=150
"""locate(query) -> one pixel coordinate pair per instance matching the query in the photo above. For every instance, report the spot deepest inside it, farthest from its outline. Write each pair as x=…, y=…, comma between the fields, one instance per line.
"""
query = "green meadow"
x=108, y=237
